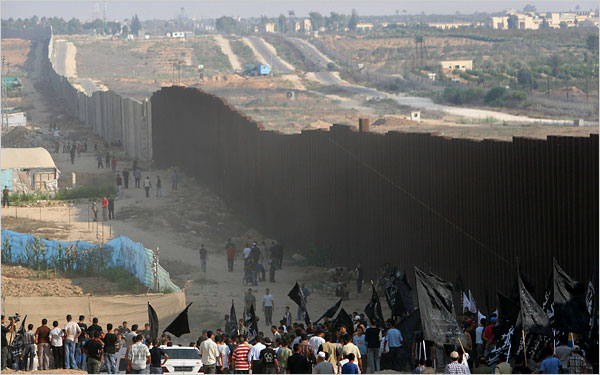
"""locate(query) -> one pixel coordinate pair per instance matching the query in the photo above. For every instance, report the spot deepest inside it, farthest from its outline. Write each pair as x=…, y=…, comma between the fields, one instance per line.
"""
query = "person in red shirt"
x=104, y=209
x=488, y=334
x=239, y=358
x=230, y=247
x=113, y=164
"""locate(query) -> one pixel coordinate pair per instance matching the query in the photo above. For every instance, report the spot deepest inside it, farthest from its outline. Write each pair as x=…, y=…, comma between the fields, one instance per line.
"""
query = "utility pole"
x=4, y=78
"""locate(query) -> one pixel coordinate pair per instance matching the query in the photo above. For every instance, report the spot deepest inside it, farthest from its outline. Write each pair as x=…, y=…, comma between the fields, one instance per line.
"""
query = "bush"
x=100, y=191
x=461, y=96
x=495, y=96
x=500, y=96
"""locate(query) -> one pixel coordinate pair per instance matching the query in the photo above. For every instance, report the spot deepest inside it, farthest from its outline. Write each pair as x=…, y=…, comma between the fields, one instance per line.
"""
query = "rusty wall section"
x=445, y=205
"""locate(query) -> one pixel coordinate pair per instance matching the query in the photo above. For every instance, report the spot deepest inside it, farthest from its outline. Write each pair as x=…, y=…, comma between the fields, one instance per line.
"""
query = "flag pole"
x=424, y=350
x=524, y=347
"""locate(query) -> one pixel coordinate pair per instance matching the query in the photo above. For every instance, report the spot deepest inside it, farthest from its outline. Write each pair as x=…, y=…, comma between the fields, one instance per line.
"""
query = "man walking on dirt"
x=230, y=248
x=268, y=305
x=111, y=208
x=104, y=209
x=137, y=174
x=5, y=193
x=73, y=154
x=99, y=160
x=95, y=210
x=249, y=301
x=174, y=180
x=120, y=185
x=203, y=257
x=158, y=187
x=147, y=186
x=126, y=178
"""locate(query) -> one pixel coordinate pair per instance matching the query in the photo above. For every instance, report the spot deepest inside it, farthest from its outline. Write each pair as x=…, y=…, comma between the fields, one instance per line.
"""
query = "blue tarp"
x=119, y=252
x=7, y=179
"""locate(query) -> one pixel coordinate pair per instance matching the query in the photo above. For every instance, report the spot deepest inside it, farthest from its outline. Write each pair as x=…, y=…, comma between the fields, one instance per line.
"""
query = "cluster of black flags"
x=569, y=306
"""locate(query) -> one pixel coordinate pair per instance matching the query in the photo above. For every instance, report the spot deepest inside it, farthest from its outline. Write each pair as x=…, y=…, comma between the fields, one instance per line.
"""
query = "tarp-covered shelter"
x=28, y=169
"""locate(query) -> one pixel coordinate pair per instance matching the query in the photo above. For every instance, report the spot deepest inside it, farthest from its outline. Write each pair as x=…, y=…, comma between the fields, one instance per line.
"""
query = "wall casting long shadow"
x=445, y=205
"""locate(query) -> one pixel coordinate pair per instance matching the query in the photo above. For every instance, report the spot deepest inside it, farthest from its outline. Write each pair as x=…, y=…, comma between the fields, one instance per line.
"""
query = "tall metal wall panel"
x=452, y=206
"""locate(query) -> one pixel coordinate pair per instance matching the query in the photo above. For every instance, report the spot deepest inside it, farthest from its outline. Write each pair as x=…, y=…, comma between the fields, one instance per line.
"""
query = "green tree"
x=282, y=23
x=353, y=20
x=529, y=8
x=136, y=25
x=496, y=96
x=226, y=24
x=74, y=26
x=592, y=42
x=317, y=20
x=563, y=25
x=555, y=63
x=524, y=76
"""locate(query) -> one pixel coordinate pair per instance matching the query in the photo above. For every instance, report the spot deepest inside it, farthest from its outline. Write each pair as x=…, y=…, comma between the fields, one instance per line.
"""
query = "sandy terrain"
x=226, y=48
x=15, y=51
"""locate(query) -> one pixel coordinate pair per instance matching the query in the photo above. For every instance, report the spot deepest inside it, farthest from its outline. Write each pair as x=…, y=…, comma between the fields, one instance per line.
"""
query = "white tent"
x=28, y=169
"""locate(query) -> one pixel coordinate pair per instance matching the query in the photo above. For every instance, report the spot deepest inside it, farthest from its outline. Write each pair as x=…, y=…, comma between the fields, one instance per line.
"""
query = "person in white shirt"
x=72, y=332
x=254, y=355
x=479, y=343
x=210, y=354
x=138, y=356
x=56, y=340
x=224, y=352
x=268, y=306
x=317, y=340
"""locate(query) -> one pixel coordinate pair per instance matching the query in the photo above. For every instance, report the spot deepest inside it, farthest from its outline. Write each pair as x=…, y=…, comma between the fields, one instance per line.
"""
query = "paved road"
x=276, y=62
x=310, y=52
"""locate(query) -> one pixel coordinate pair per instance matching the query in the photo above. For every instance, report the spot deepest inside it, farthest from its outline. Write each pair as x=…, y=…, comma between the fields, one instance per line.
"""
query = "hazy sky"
x=145, y=9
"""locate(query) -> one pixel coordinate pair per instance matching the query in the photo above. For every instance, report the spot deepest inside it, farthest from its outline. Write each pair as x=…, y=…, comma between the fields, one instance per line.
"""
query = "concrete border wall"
x=108, y=113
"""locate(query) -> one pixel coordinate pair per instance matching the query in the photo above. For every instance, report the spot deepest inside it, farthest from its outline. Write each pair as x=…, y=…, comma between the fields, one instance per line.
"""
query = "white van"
x=181, y=360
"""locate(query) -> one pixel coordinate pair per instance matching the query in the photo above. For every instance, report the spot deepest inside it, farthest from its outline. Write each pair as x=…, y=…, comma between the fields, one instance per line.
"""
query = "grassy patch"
x=125, y=281
x=243, y=52
x=91, y=192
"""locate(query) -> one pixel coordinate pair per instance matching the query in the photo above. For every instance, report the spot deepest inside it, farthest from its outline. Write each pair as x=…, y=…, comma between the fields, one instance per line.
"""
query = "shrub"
x=461, y=96
x=100, y=191
x=495, y=96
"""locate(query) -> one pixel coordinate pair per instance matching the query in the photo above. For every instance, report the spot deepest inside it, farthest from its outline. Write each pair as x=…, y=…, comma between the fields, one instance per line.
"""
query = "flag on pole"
x=297, y=296
x=330, y=311
x=570, y=310
x=437, y=309
x=233, y=323
x=472, y=305
x=153, y=321
x=373, y=308
x=180, y=325
x=251, y=324
x=466, y=304
x=343, y=320
x=532, y=317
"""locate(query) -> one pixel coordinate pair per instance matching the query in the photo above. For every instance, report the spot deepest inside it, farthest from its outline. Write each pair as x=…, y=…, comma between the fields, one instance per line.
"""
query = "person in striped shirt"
x=239, y=358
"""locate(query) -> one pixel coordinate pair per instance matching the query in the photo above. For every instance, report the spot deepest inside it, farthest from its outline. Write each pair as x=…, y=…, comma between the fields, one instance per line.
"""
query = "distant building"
x=500, y=23
x=364, y=26
x=28, y=169
x=451, y=65
x=176, y=34
x=268, y=27
x=303, y=26
x=453, y=25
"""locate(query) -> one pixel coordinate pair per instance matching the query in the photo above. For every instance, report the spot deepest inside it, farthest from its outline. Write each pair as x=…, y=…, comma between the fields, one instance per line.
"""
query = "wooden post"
x=524, y=347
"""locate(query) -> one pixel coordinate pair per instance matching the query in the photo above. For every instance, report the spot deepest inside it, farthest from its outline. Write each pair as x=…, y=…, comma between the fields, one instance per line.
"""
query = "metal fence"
x=446, y=205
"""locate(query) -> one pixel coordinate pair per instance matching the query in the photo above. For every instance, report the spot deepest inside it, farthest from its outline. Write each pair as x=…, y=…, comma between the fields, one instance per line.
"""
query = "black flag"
x=506, y=337
x=343, y=320
x=180, y=325
x=297, y=296
x=394, y=298
x=570, y=310
x=153, y=321
x=406, y=293
x=331, y=311
x=251, y=324
x=532, y=317
x=233, y=323
x=436, y=309
x=373, y=308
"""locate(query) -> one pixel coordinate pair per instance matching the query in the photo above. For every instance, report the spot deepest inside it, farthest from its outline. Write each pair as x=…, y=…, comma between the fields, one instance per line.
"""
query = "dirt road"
x=226, y=49
x=267, y=54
